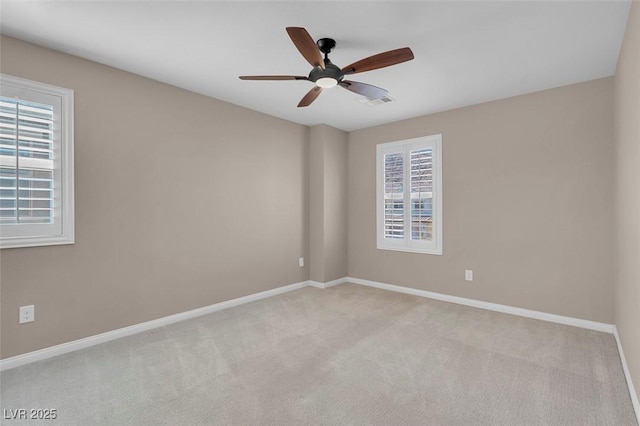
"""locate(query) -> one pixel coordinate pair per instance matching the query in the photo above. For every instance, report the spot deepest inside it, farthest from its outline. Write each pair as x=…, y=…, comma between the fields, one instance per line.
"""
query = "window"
x=36, y=163
x=409, y=195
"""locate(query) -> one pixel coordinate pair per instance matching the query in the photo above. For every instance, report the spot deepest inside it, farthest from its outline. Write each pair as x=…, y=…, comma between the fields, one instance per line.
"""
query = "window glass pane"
x=8, y=200
x=35, y=174
x=8, y=127
x=394, y=196
x=35, y=130
x=34, y=193
x=36, y=196
x=8, y=216
x=7, y=182
x=422, y=194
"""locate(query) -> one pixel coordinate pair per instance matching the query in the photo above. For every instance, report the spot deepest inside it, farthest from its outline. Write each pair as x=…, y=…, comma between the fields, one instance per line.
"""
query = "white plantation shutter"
x=26, y=162
x=409, y=200
x=422, y=194
x=36, y=164
x=394, y=195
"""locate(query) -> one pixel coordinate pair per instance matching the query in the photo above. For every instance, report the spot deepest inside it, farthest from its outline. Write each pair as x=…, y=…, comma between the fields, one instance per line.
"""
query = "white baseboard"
x=576, y=322
x=328, y=284
x=316, y=284
x=97, y=339
x=627, y=376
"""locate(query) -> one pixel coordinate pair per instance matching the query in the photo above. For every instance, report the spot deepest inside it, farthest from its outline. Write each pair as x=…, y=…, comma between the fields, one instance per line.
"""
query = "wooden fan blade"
x=380, y=60
x=310, y=96
x=371, y=92
x=307, y=47
x=272, y=77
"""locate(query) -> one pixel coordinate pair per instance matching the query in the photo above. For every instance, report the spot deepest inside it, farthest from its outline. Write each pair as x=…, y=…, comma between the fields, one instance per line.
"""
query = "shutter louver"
x=26, y=162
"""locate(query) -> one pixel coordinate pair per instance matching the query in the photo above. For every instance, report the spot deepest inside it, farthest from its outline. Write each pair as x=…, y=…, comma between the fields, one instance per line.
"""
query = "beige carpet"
x=345, y=355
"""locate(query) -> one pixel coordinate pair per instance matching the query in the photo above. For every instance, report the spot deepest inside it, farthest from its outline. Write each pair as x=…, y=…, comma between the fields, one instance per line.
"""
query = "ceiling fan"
x=325, y=74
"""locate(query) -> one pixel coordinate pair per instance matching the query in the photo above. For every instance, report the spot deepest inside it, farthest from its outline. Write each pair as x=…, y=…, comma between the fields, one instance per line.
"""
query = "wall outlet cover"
x=27, y=314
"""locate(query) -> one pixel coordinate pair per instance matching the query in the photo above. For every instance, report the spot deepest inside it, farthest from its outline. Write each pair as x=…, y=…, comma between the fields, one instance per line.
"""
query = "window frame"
x=62, y=231
x=405, y=147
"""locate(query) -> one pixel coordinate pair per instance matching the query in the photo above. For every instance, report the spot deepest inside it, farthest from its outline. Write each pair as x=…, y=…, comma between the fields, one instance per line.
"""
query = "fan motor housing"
x=330, y=70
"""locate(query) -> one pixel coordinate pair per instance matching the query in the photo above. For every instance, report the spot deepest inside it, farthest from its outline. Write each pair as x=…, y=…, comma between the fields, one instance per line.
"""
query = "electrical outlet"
x=468, y=274
x=301, y=262
x=27, y=314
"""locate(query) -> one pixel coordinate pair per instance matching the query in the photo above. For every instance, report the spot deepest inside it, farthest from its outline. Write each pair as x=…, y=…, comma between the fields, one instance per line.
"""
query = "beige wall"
x=328, y=203
x=181, y=201
x=527, y=188
x=627, y=200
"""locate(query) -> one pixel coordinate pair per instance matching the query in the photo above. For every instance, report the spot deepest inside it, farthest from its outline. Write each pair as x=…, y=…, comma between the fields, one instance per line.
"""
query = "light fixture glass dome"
x=326, y=82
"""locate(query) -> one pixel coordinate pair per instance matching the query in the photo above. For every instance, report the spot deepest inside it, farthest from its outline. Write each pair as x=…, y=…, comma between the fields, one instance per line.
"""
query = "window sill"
x=437, y=252
x=6, y=243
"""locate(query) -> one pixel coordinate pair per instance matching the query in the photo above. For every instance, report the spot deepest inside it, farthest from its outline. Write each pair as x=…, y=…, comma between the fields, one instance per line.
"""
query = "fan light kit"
x=326, y=82
x=326, y=75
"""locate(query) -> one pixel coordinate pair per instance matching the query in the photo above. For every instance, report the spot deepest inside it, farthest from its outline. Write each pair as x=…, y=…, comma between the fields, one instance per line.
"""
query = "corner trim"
x=328, y=284
x=627, y=375
x=63, y=348
x=576, y=322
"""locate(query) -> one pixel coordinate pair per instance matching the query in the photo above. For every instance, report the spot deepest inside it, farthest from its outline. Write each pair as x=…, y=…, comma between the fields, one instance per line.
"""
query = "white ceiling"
x=465, y=52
